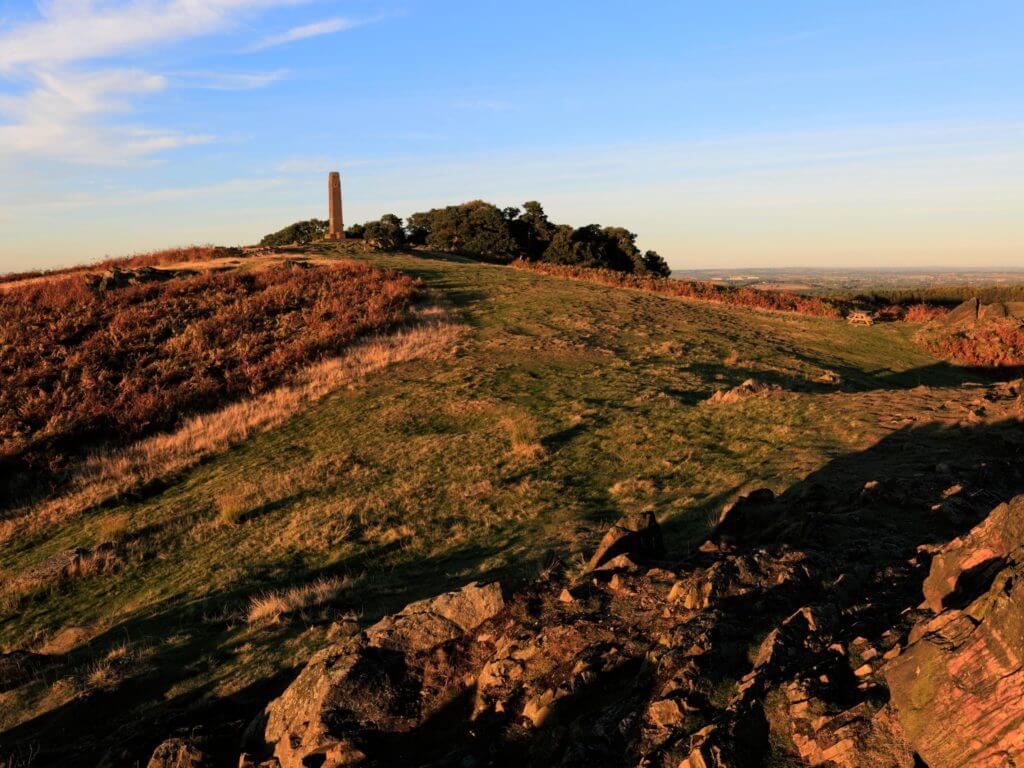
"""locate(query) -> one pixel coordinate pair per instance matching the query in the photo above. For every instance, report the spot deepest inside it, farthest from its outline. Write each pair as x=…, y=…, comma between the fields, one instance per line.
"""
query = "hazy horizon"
x=732, y=136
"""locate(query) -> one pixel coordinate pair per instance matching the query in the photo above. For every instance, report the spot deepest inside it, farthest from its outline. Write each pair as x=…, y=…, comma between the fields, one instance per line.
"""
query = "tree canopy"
x=299, y=233
x=480, y=230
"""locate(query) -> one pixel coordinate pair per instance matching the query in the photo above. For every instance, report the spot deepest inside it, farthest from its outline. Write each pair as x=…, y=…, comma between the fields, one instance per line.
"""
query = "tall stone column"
x=336, y=222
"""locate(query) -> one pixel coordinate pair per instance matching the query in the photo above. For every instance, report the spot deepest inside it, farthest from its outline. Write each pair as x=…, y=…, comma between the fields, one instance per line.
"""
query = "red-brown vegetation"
x=922, y=313
x=773, y=301
x=79, y=367
x=992, y=345
x=151, y=259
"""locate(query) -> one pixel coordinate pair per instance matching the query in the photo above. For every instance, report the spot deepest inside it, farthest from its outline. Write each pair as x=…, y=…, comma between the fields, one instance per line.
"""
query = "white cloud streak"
x=316, y=29
x=65, y=108
x=80, y=30
x=227, y=81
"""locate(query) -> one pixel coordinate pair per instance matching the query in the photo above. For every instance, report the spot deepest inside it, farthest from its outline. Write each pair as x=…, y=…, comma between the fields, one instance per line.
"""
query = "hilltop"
x=488, y=427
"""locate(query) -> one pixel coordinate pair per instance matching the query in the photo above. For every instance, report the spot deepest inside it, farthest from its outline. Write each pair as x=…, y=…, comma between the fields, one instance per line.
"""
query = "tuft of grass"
x=272, y=607
x=240, y=501
x=522, y=433
x=118, y=664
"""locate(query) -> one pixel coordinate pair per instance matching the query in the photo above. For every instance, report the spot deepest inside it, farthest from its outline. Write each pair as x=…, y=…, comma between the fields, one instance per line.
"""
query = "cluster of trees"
x=299, y=233
x=483, y=231
x=937, y=295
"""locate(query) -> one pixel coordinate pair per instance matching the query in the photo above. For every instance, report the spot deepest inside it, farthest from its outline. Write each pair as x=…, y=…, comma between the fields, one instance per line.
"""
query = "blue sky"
x=726, y=134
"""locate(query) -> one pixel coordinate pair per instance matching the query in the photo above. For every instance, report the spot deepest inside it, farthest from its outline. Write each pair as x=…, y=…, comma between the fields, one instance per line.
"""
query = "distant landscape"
x=835, y=280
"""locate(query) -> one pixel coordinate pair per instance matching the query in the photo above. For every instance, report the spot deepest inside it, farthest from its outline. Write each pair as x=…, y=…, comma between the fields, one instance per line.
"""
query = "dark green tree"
x=589, y=246
x=387, y=233
x=299, y=233
x=417, y=228
x=476, y=229
x=652, y=263
x=532, y=231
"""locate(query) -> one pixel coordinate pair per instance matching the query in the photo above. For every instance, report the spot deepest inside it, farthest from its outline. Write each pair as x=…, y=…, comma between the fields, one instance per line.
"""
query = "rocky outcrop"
x=116, y=277
x=178, y=753
x=967, y=564
x=964, y=666
x=636, y=537
x=770, y=644
x=381, y=682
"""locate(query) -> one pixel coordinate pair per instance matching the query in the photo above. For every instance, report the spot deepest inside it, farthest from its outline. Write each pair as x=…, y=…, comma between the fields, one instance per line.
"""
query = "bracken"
x=81, y=368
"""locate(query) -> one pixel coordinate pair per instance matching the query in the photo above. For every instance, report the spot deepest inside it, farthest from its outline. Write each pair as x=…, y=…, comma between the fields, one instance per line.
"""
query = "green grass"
x=565, y=405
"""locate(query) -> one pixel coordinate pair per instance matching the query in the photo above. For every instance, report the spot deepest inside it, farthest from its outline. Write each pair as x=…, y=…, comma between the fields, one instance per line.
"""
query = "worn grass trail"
x=564, y=405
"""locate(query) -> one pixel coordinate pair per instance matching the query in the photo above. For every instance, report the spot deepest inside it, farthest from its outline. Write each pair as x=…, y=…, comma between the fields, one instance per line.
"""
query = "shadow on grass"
x=827, y=513
x=122, y=727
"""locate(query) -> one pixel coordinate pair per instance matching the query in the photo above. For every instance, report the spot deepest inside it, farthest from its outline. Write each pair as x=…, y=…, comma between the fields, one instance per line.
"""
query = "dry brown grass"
x=107, y=474
x=272, y=607
x=119, y=663
x=522, y=433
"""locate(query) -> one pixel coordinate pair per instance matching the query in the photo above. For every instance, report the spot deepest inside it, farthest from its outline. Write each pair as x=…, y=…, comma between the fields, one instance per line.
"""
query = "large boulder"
x=967, y=564
x=637, y=537
x=964, y=667
x=372, y=684
x=178, y=753
x=958, y=688
x=745, y=518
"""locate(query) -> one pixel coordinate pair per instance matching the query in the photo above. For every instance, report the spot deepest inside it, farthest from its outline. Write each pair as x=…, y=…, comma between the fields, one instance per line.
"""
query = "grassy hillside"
x=546, y=408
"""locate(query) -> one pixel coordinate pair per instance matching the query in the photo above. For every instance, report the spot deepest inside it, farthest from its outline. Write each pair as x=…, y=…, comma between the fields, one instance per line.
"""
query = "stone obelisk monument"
x=336, y=222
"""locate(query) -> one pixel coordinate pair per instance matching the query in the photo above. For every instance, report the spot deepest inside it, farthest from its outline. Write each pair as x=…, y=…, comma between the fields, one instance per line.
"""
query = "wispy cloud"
x=228, y=81
x=316, y=29
x=66, y=103
x=78, y=30
x=60, y=116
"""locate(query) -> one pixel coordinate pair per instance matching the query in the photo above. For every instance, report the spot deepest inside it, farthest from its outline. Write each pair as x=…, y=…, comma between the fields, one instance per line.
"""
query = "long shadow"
x=837, y=512
x=123, y=726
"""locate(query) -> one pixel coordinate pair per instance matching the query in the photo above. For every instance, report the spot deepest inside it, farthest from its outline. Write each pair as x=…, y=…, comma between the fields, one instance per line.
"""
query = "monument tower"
x=336, y=222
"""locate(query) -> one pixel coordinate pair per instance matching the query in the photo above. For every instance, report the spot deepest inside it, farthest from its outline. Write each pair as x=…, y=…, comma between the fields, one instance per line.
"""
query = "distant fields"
x=508, y=424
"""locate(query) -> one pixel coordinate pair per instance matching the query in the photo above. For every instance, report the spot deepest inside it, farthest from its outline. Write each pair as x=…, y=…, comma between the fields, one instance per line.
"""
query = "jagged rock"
x=964, y=669
x=741, y=742
x=54, y=568
x=427, y=623
x=666, y=713
x=638, y=537
x=749, y=388
x=969, y=563
x=178, y=753
x=704, y=589
x=372, y=683
x=746, y=517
